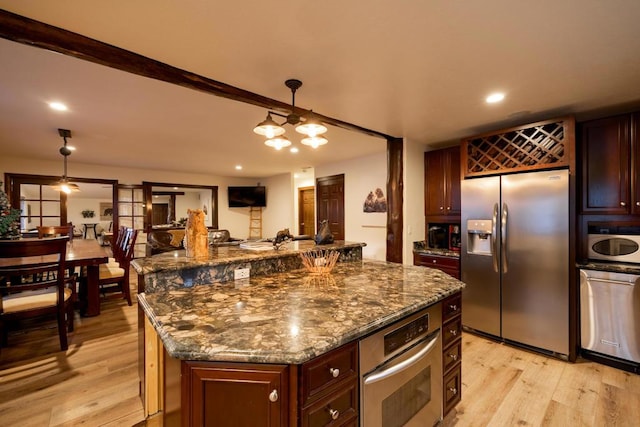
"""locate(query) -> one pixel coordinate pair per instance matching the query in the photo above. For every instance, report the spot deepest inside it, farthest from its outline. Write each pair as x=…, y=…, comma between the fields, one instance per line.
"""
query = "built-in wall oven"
x=401, y=373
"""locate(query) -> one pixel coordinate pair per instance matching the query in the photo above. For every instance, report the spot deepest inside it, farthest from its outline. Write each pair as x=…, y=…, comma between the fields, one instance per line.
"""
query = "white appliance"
x=515, y=258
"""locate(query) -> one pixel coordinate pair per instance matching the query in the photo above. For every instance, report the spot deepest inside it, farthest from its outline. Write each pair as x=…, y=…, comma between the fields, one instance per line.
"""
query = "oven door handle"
x=405, y=364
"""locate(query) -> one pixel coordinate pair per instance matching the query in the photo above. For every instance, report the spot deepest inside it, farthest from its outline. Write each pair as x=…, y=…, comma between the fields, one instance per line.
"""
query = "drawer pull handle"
x=273, y=396
x=453, y=390
x=453, y=356
x=453, y=307
x=335, y=372
x=334, y=413
x=453, y=331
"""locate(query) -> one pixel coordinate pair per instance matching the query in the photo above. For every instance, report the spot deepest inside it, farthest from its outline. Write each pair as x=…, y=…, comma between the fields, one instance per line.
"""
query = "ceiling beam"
x=27, y=31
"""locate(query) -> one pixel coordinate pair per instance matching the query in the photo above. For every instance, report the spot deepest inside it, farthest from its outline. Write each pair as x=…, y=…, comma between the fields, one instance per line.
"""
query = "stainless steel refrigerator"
x=515, y=257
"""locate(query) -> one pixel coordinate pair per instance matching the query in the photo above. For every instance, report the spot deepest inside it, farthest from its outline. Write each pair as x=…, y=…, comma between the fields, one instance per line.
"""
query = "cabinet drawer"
x=451, y=355
x=452, y=306
x=337, y=409
x=452, y=392
x=451, y=331
x=325, y=371
x=436, y=261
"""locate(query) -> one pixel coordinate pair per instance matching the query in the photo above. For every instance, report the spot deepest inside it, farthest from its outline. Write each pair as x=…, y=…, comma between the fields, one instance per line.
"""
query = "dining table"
x=81, y=253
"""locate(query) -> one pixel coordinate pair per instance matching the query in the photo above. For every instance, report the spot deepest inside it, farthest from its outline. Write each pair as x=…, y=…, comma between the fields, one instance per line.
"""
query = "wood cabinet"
x=449, y=265
x=442, y=184
x=451, y=351
x=609, y=160
x=329, y=388
x=228, y=394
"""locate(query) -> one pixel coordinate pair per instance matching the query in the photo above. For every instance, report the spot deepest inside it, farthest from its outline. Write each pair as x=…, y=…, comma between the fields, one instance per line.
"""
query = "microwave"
x=614, y=247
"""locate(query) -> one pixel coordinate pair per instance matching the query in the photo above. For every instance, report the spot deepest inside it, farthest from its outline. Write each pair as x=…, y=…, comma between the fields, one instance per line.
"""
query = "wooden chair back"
x=33, y=283
x=56, y=230
x=112, y=278
x=119, y=242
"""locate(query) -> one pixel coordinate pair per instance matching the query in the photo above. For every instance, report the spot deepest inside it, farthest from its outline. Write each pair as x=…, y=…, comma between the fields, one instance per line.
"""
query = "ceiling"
x=419, y=71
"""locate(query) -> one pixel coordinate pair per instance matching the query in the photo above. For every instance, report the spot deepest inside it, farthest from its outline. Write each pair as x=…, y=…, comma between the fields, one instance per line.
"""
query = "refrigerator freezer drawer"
x=610, y=319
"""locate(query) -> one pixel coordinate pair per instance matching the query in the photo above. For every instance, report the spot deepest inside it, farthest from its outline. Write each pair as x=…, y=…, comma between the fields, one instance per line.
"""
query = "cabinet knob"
x=334, y=413
x=453, y=307
x=441, y=208
x=335, y=372
x=453, y=332
x=453, y=390
x=637, y=203
x=453, y=356
x=623, y=204
x=448, y=208
x=273, y=396
x=434, y=261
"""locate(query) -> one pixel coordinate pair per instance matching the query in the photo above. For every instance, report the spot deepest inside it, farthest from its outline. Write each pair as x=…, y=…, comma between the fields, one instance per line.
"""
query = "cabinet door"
x=227, y=394
x=434, y=196
x=452, y=181
x=605, y=161
x=635, y=165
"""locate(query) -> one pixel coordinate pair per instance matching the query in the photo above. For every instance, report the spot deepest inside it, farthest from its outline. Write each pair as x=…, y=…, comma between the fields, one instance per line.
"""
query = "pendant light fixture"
x=64, y=185
x=308, y=125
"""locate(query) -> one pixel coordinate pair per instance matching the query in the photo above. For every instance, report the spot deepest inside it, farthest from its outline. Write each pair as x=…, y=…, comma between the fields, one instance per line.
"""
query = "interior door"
x=306, y=211
x=331, y=203
x=535, y=278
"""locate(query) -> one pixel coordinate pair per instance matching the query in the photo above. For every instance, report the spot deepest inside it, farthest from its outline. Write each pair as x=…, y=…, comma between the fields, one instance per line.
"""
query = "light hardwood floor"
x=95, y=383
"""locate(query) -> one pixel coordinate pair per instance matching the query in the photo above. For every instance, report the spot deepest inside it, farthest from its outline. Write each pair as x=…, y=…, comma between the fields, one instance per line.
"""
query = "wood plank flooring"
x=95, y=382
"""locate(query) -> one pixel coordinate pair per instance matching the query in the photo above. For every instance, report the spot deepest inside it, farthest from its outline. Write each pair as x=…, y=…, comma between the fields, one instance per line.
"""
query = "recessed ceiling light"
x=58, y=106
x=295, y=175
x=238, y=167
x=495, y=97
x=294, y=149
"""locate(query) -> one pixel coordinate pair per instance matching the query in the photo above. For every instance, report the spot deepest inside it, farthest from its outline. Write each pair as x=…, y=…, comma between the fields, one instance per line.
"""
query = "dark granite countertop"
x=422, y=247
x=613, y=267
x=291, y=317
x=220, y=255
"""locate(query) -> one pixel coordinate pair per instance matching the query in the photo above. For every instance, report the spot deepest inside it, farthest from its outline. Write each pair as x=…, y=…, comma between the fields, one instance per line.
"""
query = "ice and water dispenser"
x=479, y=236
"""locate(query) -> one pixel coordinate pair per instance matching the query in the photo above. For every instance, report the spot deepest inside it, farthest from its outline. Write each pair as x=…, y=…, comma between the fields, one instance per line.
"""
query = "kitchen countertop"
x=613, y=267
x=220, y=255
x=421, y=247
x=291, y=317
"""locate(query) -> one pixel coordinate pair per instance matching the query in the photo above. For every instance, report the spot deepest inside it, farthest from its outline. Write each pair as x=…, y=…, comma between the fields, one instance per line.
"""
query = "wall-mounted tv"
x=241, y=197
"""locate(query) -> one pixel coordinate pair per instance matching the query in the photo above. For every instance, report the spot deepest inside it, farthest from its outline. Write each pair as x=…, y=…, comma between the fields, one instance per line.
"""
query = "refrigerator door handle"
x=494, y=239
x=503, y=236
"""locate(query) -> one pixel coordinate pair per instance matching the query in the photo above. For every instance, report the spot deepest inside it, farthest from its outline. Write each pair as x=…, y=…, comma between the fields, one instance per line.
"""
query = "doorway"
x=330, y=205
x=306, y=210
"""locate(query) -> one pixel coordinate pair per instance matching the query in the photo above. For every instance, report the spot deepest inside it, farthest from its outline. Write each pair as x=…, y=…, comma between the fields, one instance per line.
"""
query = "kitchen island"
x=267, y=342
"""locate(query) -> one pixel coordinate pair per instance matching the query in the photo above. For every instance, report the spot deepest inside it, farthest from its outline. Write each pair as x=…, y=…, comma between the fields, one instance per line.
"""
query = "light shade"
x=311, y=126
x=278, y=142
x=65, y=186
x=314, y=141
x=269, y=128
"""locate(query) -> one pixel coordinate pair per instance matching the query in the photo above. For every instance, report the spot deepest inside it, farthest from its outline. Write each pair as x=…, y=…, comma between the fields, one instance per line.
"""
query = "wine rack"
x=543, y=145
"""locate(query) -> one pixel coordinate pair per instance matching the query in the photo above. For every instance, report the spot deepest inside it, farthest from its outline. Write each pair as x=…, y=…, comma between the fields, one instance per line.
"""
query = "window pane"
x=124, y=194
x=30, y=191
x=126, y=221
x=124, y=209
x=50, y=208
x=137, y=195
x=139, y=223
x=48, y=221
x=138, y=209
x=49, y=193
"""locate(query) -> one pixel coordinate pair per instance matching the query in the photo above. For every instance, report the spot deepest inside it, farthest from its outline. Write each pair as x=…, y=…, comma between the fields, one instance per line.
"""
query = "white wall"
x=361, y=176
x=280, y=205
x=413, y=208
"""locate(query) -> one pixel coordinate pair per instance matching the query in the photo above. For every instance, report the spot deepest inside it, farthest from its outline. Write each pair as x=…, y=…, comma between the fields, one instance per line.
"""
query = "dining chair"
x=28, y=291
x=115, y=277
x=56, y=230
x=119, y=243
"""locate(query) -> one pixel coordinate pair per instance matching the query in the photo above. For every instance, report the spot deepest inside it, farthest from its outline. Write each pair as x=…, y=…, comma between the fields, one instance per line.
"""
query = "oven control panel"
x=405, y=334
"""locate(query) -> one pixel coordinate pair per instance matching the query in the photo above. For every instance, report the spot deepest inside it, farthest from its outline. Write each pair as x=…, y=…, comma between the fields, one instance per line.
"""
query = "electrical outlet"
x=241, y=273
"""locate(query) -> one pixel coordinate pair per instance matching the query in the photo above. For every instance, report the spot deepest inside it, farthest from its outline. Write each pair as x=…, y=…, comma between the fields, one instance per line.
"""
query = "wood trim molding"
x=395, y=200
x=27, y=31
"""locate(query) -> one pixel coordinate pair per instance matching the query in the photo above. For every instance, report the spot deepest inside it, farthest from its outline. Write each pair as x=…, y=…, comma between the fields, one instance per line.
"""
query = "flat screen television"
x=241, y=197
